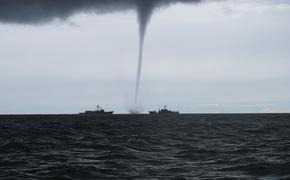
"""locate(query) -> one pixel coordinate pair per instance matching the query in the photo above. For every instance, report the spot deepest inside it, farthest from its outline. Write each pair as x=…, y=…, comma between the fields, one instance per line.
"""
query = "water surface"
x=143, y=146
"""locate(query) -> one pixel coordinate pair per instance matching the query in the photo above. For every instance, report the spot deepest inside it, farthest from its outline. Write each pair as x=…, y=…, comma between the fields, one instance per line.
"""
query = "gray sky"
x=225, y=56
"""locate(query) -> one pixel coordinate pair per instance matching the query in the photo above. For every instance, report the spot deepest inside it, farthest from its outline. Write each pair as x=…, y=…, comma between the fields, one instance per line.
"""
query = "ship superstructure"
x=163, y=111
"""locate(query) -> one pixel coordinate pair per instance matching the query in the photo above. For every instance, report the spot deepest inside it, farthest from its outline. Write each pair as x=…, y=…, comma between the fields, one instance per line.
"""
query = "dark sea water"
x=145, y=147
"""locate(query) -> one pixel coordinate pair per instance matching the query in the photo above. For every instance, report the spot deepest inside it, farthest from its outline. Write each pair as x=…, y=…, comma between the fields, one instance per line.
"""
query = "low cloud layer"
x=43, y=11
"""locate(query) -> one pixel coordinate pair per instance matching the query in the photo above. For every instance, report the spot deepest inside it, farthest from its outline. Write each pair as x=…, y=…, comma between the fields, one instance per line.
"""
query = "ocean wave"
x=127, y=147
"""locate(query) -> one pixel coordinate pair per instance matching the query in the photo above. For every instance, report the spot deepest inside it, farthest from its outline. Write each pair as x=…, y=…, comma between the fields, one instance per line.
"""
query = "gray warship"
x=164, y=111
x=98, y=111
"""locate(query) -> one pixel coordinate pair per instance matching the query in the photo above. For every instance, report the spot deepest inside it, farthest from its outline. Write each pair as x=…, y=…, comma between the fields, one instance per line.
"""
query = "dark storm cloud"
x=43, y=11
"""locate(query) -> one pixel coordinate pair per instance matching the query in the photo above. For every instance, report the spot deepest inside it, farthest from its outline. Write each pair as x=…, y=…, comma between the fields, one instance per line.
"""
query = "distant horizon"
x=193, y=113
x=144, y=112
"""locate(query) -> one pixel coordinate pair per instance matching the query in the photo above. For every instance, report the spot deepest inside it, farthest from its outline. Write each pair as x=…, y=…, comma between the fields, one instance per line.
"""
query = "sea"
x=188, y=146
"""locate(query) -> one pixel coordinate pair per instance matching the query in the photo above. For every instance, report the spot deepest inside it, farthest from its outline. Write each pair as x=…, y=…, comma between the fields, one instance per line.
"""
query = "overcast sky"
x=221, y=56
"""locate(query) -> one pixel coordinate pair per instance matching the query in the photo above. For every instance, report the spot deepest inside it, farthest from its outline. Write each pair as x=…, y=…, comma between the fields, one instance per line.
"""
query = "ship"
x=164, y=111
x=99, y=111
